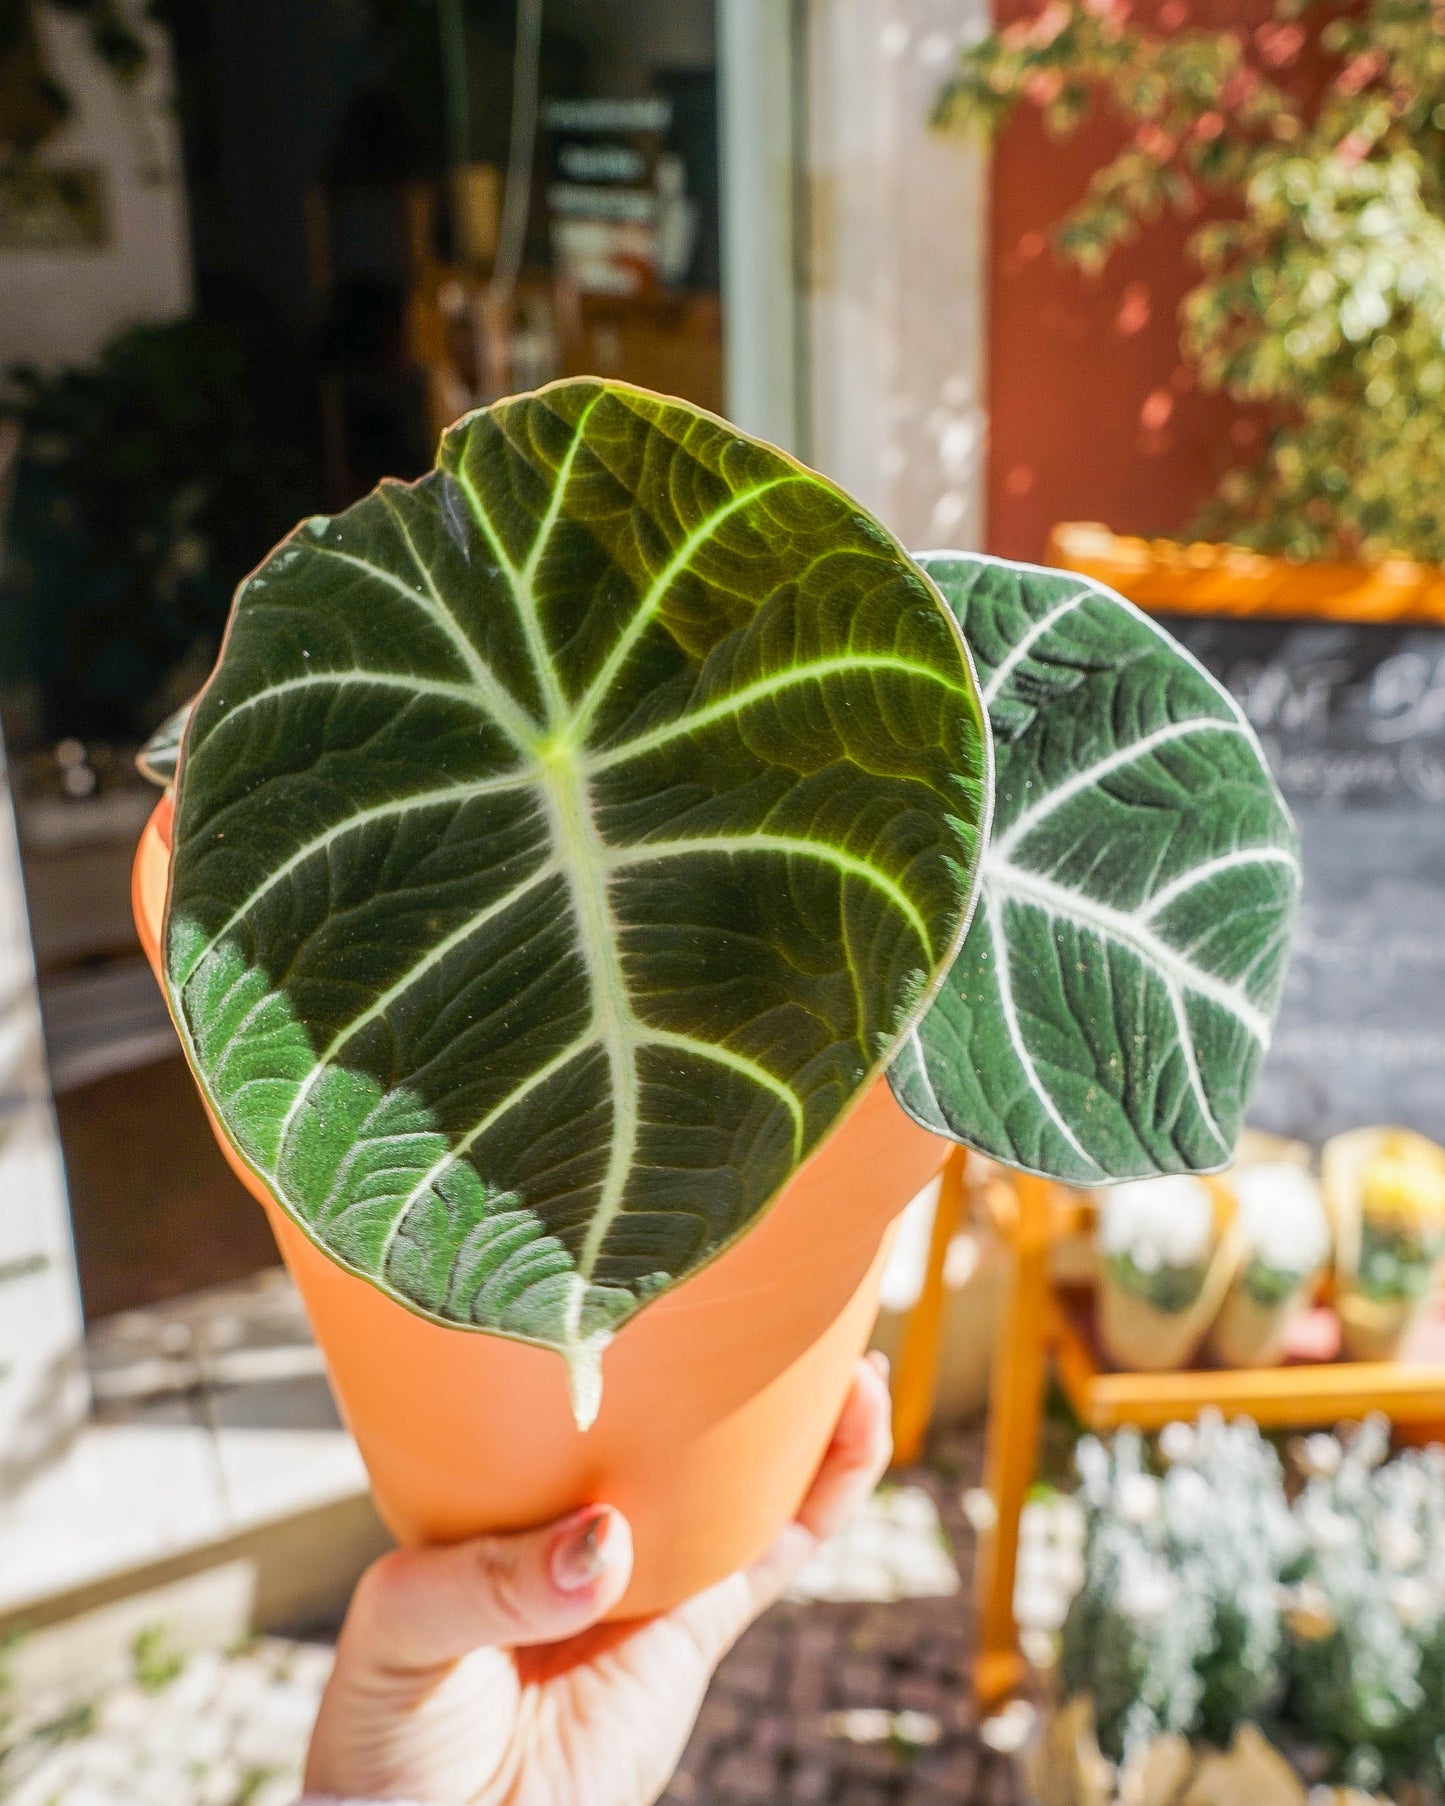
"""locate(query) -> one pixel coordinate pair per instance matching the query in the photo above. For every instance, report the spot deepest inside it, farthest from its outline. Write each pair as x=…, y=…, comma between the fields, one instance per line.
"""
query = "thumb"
x=421, y=1608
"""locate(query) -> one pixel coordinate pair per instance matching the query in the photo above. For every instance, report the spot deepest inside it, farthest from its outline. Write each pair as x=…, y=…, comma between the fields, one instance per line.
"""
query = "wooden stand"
x=1040, y=1322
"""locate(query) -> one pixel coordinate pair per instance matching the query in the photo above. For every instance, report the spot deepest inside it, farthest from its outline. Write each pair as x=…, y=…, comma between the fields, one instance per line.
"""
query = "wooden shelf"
x=1304, y=1393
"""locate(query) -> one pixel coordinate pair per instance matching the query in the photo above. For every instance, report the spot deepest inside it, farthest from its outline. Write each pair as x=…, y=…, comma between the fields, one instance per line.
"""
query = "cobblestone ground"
x=853, y=1695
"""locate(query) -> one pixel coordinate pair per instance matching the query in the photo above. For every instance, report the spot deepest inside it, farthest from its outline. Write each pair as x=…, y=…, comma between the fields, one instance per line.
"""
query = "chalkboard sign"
x=1352, y=718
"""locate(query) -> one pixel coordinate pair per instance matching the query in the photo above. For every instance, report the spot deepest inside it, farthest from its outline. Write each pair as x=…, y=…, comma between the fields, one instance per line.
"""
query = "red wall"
x=1092, y=415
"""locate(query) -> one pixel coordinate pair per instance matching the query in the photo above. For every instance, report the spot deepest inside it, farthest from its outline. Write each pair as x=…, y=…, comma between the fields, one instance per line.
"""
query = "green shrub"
x=1322, y=299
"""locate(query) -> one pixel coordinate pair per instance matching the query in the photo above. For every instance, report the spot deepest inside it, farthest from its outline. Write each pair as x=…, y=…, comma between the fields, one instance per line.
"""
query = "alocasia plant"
x=564, y=843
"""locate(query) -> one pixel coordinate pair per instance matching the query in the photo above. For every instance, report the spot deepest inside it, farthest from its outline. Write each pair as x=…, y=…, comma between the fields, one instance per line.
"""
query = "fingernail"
x=880, y=1364
x=577, y=1553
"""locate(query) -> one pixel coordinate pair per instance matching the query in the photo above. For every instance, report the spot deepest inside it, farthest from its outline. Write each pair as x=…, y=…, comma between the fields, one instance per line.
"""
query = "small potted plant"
x=1285, y=1244
x=1167, y=1253
x=561, y=853
x=1321, y=301
x=1386, y=1192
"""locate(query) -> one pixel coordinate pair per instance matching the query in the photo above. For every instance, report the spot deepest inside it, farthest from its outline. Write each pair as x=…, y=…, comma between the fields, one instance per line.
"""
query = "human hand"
x=481, y=1675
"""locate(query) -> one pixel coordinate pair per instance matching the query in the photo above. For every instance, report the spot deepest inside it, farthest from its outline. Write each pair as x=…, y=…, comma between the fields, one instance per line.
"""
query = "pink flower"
x=1353, y=148
x=1358, y=71
x=1043, y=86
x=1154, y=141
x=1050, y=22
x=1279, y=44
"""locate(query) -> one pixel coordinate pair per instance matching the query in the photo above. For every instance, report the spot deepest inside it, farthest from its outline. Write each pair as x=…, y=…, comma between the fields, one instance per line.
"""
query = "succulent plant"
x=1283, y=1227
x=1157, y=1237
x=1177, y=1627
x=1137, y=1631
x=1402, y=1219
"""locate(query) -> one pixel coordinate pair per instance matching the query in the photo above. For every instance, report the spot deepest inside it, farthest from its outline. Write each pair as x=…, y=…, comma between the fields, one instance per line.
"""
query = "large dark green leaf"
x=1118, y=987
x=562, y=844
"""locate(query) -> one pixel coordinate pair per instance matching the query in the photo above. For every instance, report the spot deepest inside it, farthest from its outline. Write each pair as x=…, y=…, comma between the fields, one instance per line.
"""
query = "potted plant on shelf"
x=1284, y=1246
x=561, y=852
x=1385, y=1189
x=1322, y=293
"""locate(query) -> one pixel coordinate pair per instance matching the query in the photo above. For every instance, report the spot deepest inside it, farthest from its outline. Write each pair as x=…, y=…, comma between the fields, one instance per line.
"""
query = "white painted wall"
x=761, y=146
x=59, y=307
x=44, y=1395
x=895, y=268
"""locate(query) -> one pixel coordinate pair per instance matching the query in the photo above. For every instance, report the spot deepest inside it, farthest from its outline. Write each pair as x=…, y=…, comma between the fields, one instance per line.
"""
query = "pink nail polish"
x=577, y=1552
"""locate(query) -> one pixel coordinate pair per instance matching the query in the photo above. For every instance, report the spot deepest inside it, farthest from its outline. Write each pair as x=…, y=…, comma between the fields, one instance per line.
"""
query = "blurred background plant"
x=1212, y=1600
x=1322, y=297
x=1367, y=1619
x=1177, y=1627
x=148, y=483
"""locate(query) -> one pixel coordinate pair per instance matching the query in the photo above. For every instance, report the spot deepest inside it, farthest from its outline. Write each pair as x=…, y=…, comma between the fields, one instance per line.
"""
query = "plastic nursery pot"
x=719, y=1399
x=1371, y=1329
x=1139, y=1337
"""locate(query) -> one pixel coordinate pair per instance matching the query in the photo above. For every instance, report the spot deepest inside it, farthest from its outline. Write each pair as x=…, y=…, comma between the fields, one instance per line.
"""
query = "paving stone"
x=810, y=1782
x=747, y=1775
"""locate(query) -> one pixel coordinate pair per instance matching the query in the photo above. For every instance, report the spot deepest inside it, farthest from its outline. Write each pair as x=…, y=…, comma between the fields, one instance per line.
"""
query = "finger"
x=858, y=1455
x=855, y=1462
x=419, y=1608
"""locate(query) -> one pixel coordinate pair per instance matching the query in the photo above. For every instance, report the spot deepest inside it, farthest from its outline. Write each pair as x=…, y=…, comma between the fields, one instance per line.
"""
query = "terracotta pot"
x=718, y=1401
x=1172, y=577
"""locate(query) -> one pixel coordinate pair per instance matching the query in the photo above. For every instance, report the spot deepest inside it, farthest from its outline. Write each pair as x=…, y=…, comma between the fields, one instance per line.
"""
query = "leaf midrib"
x=581, y=854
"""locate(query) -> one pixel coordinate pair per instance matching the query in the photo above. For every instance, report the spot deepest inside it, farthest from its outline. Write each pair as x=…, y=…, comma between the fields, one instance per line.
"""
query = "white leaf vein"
x=1090, y=776
x=1003, y=978
x=1026, y=642
x=1209, y=869
x=449, y=796
x=644, y=852
x=724, y=708
x=1130, y=931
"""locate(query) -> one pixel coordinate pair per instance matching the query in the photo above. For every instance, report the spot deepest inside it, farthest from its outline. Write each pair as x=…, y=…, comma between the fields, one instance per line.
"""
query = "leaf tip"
x=583, y=1355
x=584, y=1377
